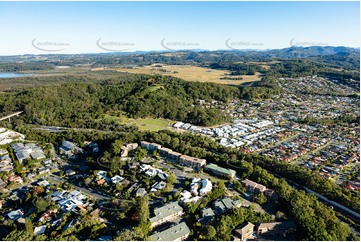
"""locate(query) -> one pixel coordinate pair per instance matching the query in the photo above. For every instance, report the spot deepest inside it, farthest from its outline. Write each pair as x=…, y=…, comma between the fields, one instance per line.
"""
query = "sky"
x=95, y=27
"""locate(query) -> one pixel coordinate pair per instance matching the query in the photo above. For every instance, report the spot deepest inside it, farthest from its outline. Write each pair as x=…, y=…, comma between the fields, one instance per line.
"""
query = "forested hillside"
x=82, y=104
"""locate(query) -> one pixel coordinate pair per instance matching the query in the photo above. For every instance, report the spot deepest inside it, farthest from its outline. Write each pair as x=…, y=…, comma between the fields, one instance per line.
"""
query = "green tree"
x=29, y=226
x=40, y=204
x=171, y=179
x=140, y=153
x=210, y=232
x=117, y=147
x=260, y=198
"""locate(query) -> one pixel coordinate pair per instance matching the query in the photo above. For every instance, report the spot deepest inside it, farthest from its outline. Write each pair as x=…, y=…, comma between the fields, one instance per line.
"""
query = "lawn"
x=151, y=124
x=190, y=73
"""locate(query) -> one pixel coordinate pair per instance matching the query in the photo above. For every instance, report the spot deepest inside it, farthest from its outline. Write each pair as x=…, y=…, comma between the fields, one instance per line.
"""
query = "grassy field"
x=190, y=73
x=150, y=124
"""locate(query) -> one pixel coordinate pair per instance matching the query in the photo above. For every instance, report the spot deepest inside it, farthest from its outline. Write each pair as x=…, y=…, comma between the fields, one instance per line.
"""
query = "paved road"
x=57, y=129
x=11, y=115
x=342, y=209
x=87, y=191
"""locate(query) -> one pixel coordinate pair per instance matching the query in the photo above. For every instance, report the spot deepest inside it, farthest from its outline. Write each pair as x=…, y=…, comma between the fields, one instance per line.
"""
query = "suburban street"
x=86, y=191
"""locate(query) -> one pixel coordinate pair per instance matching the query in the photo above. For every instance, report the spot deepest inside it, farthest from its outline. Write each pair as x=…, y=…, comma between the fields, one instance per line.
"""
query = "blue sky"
x=75, y=27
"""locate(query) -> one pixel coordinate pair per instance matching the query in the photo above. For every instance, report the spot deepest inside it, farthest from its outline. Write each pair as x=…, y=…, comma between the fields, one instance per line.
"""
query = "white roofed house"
x=141, y=192
x=40, y=229
x=206, y=187
x=117, y=179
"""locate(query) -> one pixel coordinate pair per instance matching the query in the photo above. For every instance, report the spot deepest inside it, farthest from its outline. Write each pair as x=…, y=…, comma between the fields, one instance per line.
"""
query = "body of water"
x=12, y=75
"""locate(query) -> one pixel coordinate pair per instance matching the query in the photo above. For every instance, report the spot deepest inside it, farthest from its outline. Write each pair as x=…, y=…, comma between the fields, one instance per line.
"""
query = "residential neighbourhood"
x=272, y=128
x=66, y=190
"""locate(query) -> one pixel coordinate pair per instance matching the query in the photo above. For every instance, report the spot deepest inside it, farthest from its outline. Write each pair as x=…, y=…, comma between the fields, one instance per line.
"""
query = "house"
x=219, y=207
x=37, y=155
x=168, y=212
x=117, y=179
x=151, y=172
x=30, y=175
x=101, y=181
x=176, y=233
x=13, y=215
x=125, y=183
x=206, y=187
x=101, y=174
x=22, y=155
x=43, y=170
x=220, y=171
x=124, y=152
x=271, y=195
x=162, y=175
x=70, y=149
x=92, y=145
x=47, y=216
x=133, y=187
x=133, y=165
x=245, y=231
x=70, y=172
x=254, y=187
x=2, y=184
x=15, y=179
x=43, y=183
x=5, y=158
x=104, y=238
x=159, y=185
x=3, y=152
x=40, y=229
x=141, y=192
x=46, y=162
x=228, y=203
x=185, y=195
x=132, y=146
x=276, y=230
x=269, y=230
x=207, y=216
x=194, y=186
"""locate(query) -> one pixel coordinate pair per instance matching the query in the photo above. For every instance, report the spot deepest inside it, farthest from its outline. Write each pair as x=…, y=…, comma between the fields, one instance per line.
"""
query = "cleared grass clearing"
x=190, y=73
x=150, y=124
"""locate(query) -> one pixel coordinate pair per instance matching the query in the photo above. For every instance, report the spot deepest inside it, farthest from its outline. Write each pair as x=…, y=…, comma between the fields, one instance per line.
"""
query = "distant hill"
x=304, y=52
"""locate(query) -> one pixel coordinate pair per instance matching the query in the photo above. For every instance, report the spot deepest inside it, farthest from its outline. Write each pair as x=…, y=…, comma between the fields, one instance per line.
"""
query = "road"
x=11, y=115
x=86, y=191
x=57, y=129
x=342, y=209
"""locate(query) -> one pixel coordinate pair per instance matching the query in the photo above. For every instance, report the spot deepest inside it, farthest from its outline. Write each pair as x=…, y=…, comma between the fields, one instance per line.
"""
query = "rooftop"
x=165, y=211
x=172, y=234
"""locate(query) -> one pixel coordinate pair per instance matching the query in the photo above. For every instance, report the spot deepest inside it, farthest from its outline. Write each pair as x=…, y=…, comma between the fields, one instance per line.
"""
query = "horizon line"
x=174, y=51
